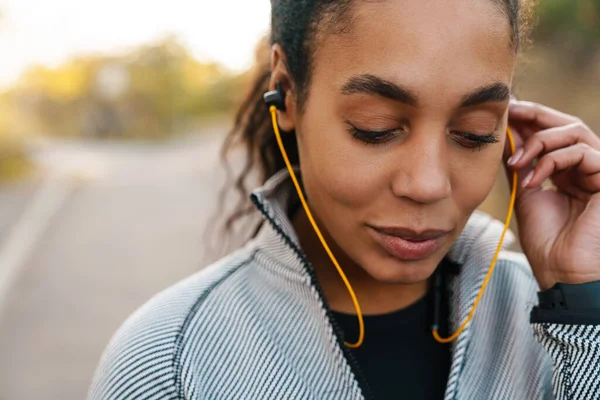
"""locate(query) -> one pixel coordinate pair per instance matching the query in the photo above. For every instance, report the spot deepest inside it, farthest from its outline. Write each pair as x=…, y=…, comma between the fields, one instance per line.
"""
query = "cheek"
x=475, y=178
x=334, y=168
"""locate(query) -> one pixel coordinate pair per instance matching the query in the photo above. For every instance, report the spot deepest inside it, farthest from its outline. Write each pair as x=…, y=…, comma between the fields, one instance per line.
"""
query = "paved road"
x=131, y=224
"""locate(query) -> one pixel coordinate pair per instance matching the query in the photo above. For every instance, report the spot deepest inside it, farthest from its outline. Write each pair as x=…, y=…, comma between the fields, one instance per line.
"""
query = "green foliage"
x=577, y=18
x=571, y=28
x=154, y=91
x=13, y=165
x=160, y=89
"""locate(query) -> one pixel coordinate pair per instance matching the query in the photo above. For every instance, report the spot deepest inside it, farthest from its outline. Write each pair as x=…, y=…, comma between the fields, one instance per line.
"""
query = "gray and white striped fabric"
x=255, y=326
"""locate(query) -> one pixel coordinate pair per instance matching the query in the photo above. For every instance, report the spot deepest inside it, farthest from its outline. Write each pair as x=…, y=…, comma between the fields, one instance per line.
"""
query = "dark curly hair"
x=296, y=25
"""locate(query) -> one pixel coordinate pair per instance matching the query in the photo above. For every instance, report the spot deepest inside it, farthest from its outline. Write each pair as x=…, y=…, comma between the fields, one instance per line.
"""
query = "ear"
x=279, y=73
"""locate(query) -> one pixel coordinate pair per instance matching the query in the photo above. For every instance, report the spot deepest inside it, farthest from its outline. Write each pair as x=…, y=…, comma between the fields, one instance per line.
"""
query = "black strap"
x=571, y=304
x=566, y=296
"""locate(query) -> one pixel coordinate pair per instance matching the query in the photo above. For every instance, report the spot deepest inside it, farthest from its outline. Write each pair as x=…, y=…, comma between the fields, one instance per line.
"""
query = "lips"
x=407, y=244
x=413, y=236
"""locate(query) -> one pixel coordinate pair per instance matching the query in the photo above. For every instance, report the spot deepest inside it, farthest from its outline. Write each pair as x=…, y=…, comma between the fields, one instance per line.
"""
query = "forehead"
x=435, y=47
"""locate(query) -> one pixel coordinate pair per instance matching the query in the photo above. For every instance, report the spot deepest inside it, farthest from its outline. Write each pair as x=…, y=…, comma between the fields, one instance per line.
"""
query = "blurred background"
x=111, y=118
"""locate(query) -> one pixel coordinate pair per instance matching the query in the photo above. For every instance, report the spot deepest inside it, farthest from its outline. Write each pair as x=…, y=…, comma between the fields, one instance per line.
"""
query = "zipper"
x=354, y=366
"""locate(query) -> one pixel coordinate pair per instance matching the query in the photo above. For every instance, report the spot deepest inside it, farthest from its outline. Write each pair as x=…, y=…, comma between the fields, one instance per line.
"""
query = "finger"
x=581, y=156
x=572, y=186
x=517, y=139
x=526, y=129
x=521, y=172
x=540, y=115
x=553, y=139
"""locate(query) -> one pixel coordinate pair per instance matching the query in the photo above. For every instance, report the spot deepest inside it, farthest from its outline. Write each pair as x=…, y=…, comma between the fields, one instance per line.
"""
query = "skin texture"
x=427, y=175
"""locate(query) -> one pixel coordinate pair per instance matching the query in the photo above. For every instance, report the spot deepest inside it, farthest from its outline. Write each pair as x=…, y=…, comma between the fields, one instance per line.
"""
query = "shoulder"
x=478, y=245
x=517, y=261
x=142, y=358
x=514, y=277
x=501, y=339
x=512, y=285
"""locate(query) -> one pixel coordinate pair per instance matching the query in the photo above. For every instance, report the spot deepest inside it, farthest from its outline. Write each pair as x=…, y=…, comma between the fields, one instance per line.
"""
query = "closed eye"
x=373, y=137
x=474, y=141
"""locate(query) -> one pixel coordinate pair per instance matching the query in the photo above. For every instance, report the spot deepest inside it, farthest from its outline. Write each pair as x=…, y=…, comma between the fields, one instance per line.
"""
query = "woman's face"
x=402, y=134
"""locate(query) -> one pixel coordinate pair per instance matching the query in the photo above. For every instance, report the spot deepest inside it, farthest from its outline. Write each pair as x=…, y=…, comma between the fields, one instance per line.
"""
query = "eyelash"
x=473, y=141
x=477, y=142
x=373, y=137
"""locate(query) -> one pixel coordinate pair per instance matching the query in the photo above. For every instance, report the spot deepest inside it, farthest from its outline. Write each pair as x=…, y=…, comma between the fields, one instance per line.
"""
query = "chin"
x=394, y=271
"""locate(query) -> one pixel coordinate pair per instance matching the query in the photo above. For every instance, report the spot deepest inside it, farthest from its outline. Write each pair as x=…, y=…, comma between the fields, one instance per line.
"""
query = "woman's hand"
x=559, y=227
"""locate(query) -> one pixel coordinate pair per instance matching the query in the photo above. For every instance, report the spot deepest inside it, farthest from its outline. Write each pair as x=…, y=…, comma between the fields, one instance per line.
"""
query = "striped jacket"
x=255, y=325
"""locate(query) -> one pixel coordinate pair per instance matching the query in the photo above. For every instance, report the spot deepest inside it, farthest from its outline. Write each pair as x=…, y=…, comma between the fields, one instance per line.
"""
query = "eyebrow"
x=495, y=93
x=373, y=85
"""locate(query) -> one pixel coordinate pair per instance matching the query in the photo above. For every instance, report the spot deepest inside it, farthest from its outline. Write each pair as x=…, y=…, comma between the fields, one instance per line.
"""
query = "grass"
x=14, y=164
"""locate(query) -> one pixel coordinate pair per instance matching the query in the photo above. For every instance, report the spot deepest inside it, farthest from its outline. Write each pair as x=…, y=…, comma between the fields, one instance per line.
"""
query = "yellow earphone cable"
x=361, y=335
x=511, y=207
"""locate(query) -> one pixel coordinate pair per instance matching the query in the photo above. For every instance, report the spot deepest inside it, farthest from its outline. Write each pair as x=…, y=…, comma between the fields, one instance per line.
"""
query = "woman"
x=395, y=113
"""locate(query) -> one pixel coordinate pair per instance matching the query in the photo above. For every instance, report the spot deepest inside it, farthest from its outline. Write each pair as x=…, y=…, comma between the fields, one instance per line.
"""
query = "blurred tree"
x=571, y=28
x=160, y=89
x=13, y=160
x=154, y=91
x=562, y=69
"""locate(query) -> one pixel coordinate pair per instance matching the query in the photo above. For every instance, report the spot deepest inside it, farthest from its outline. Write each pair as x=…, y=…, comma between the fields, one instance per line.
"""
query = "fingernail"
x=516, y=157
x=527, y=179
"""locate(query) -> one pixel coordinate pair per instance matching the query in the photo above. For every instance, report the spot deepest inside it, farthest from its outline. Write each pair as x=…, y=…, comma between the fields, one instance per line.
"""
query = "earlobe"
x=287, y=111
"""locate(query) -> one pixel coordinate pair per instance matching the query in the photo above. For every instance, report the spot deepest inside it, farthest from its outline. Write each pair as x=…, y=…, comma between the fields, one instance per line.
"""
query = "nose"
x=424, y=174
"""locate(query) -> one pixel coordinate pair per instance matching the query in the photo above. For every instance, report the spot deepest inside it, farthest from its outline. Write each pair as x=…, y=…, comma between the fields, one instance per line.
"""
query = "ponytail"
x=253, y=133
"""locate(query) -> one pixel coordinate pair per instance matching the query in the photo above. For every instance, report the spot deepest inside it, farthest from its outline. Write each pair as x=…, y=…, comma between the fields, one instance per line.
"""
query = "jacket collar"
x=277, y=237
x=474, y=250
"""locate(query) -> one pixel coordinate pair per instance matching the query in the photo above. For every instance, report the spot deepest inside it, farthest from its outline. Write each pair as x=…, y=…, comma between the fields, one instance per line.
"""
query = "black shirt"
x=399, y=356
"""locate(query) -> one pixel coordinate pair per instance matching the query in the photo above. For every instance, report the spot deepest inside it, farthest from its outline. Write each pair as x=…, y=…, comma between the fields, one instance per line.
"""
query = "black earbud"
x=275, y=97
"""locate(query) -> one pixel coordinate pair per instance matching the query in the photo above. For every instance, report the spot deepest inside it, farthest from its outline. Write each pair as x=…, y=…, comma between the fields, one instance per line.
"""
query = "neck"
x=375, y=297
